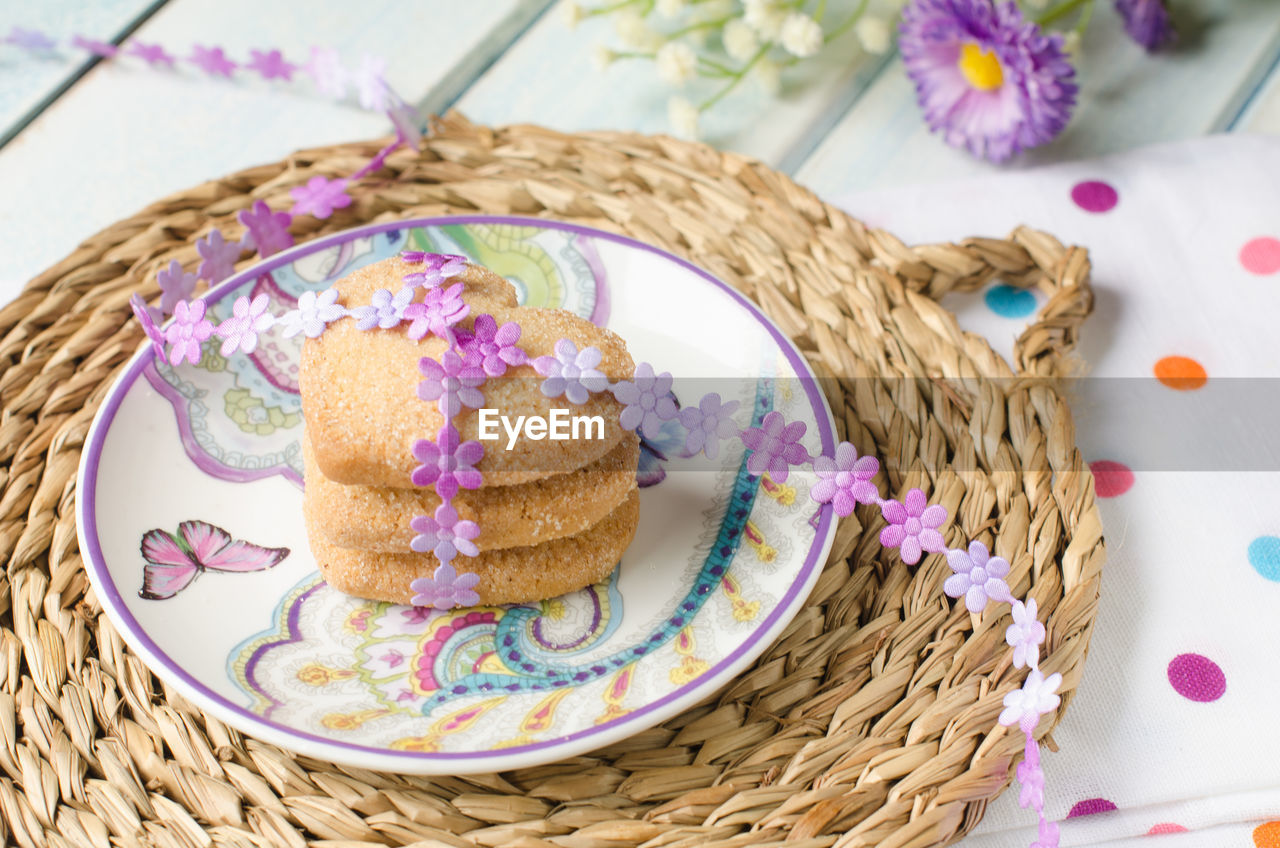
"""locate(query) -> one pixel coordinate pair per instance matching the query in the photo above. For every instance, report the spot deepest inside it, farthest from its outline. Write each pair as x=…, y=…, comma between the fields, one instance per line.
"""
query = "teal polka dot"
x=1008, y=302
x=1264, y=556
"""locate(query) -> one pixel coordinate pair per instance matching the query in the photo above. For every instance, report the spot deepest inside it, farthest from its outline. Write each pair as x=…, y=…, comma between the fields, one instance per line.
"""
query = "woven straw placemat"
x=872, y=720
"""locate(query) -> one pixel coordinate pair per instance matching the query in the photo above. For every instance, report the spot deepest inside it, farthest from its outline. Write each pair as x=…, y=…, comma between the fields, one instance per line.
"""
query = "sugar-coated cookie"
x=359, y=388
x=510, y=575
x=377, y=518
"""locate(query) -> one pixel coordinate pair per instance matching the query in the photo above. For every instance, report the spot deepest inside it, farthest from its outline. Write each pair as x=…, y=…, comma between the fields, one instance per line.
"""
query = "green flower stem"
x=1083, y=23
x=720, y=69
x=845, y=24
x=612, y=7
x=1062, y=10
x=719, y=22
x=737, y=77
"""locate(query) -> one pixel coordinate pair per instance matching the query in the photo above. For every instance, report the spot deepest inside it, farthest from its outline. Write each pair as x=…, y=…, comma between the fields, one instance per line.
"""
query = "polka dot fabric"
x=1171, y=737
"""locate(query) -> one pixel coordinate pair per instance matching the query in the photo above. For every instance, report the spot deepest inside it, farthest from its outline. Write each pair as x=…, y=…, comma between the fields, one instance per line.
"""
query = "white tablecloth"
x=1175, y=724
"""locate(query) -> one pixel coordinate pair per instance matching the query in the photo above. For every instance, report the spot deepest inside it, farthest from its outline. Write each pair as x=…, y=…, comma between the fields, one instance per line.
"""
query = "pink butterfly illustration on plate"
x=173, y=562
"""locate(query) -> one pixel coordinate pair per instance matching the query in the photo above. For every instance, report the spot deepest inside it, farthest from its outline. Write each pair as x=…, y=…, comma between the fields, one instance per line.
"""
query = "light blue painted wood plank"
x=1128, y=99
x=157, y=132
x=548, y=77
x=28, y=80
x=1261, y=113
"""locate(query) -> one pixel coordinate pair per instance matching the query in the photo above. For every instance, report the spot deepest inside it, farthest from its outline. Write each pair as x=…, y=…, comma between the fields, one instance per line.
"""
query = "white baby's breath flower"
x=670, y=8
x=873, y=34
x=683, y=117
x=572, y=13
x=677, y=63
x=765, y=18
x=635, y=33
x=740, y=40
x=768, y=74
x=801, y=36
x=602, y=57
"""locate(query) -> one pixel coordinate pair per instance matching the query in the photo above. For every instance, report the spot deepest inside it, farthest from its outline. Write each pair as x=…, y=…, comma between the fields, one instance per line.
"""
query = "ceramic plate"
x=721, y=561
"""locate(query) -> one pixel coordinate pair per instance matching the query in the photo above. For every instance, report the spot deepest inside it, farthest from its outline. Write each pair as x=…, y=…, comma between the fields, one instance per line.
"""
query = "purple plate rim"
x=639, y=719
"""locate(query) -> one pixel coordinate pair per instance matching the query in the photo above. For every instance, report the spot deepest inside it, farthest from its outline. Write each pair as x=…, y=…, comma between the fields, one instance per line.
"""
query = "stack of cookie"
x=554, y=515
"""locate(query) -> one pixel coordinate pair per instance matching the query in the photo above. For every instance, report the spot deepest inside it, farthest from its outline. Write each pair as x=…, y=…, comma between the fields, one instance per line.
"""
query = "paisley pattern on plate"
x=720, y=563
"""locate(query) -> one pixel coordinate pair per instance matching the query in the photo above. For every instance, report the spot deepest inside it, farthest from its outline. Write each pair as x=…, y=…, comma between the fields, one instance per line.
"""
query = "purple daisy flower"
x=646, y=402
x=439, y=310
x=775, y=446
x=495, y=347
x=175, y=285
x=571, y=372
x=248, y=319
x=218, y=257
x=446, y=588
x=266, y=232
x=188, y=330
x=708, y=423
x=148, y=316
x=913, y=526
x=448, y=463
x=444, y=534
x=320, y=196
x=437, y=267
x=313, y=313
x=845, y=481
x=978, y=577
x=453, y=381
x=1147, y=22
x=385, y=309
x=986, y=78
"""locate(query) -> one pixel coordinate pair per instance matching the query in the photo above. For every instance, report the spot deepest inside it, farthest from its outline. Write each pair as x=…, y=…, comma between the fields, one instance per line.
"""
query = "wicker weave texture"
x=872, y=720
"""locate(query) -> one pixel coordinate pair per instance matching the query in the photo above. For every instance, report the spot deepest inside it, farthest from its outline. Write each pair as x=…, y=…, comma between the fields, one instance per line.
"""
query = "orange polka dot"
x=1267, y=835
x=1181, y=373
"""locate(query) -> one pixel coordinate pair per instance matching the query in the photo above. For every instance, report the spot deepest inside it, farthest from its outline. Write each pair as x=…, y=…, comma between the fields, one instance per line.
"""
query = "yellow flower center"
x=981, y=68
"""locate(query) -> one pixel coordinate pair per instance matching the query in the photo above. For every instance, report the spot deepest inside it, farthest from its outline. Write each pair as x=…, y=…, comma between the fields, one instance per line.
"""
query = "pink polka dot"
x=1110, y=479
x=1095, y=196
x=1091, y=806
x=1197, y=678
x=1165, y=827
x=1261, y=255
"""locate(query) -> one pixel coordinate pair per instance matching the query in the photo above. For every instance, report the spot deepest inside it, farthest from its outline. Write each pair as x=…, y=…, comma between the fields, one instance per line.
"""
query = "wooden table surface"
x=87, y=142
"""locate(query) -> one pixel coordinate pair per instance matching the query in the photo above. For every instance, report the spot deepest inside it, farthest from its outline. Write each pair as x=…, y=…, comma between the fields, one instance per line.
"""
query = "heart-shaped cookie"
x=360, y=389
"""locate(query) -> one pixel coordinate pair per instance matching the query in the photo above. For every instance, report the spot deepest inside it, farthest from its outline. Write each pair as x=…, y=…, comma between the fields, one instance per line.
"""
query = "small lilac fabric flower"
x=175, y=285
x=978, y=577
x=438, y=311
x=326, y=69
x=105, y=49
x=248, y=319
x=371, y=87
x=647, y=401
x=845, y=481
x=320, y=196
x=445, y=589
x=985, y=77
x=188, y=330
x=913, y=526
x=219, y=257
x=492, y=346
x=444, y=535
x=1031, y=776
x=775, y=446
x=1147, y=22
x=384, y=311
x=436, y=267
x=153, y=54
x=148, y=316
x=1037, y=696
x=1025, y=635
x=271, y=65
x=314, y=313
x=571, y=373
x=268, y=232
x=453, y=382
x=30, y=39
x=447, y=464
x=212, y=61
x=708, y=424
